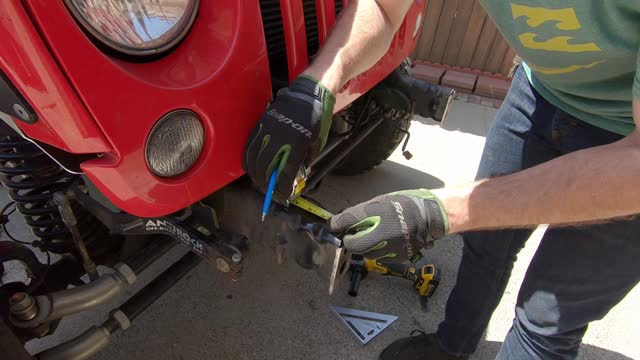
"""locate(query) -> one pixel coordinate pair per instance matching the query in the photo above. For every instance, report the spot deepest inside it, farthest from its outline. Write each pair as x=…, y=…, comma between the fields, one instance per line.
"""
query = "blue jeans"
x=577, y=274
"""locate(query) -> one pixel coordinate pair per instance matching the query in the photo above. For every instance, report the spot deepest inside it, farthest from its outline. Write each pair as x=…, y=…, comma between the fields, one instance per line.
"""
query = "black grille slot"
x=311, y=26
x=274, y=34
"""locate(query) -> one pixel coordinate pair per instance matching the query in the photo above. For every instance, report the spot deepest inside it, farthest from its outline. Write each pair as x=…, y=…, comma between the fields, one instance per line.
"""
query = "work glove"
x=394, y=226
x=293, y=130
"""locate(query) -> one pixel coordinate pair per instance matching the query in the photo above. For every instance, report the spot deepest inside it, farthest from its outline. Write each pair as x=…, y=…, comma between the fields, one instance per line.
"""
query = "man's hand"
x=292, y=130
x=295, y=127
x=585, y=186
x=395, y=225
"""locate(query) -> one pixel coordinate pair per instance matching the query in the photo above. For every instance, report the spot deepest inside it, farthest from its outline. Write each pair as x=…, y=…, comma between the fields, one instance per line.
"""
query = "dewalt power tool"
x=425, y=279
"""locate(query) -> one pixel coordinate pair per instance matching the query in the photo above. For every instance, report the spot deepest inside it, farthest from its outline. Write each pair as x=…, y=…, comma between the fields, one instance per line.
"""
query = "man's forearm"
x=589, y=185
x=360, y=37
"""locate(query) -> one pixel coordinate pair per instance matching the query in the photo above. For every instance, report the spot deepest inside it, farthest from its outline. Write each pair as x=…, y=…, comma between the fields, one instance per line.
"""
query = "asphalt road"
x=282, y=311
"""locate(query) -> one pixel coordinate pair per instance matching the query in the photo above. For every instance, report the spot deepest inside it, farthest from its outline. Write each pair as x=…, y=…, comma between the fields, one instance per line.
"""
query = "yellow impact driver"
x=425, y=279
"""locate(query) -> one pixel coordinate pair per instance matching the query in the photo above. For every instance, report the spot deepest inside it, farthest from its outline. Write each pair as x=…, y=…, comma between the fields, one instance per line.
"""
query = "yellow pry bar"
x=308, y=206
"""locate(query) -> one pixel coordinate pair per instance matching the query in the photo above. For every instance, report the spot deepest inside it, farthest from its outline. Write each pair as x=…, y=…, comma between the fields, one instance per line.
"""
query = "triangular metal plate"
x=364, y=325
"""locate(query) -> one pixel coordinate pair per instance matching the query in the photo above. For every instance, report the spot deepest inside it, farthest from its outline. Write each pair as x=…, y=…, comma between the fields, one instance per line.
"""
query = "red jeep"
x=123, y=126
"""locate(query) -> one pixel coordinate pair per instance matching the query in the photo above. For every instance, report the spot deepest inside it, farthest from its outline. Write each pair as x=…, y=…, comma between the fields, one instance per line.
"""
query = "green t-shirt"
x=580, y=55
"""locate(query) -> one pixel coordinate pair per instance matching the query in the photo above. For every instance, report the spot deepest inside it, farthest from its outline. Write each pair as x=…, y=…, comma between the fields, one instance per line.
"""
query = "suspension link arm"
x=213, y=248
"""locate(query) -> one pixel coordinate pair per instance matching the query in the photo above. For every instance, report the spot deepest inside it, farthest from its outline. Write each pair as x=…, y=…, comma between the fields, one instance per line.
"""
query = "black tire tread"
x=374, y=149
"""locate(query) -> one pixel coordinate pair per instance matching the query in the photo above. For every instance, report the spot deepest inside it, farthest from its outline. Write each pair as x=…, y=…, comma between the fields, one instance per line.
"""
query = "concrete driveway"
x=282, y=312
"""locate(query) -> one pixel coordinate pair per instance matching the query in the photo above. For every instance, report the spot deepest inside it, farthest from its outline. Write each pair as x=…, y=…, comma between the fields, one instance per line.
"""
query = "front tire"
x=375, y=148
x=384, y=139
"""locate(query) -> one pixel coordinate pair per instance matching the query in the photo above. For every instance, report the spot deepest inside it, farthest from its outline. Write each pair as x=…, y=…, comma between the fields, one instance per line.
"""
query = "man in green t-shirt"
x=563, y=150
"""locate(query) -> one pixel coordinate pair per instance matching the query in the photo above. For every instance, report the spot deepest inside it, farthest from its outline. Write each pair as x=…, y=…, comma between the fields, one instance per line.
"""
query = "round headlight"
x=175, y=143
x=136, y=27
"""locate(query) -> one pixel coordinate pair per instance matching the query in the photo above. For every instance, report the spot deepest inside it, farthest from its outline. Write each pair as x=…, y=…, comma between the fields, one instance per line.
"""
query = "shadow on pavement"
x=488, y=350
x=339, y=192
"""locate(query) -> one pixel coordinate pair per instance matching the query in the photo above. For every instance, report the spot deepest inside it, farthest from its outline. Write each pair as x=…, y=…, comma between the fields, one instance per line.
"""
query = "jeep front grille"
x=275, y=40
x=338, y=6
x=311, y=27
x=274, y=35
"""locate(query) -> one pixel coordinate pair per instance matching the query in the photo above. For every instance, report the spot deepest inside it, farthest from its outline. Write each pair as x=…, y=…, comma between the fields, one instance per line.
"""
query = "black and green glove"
x=395, y=225
x=292, y=131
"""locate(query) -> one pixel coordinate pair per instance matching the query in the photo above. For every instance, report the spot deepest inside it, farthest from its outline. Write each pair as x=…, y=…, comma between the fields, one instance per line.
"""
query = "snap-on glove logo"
x=285, y=120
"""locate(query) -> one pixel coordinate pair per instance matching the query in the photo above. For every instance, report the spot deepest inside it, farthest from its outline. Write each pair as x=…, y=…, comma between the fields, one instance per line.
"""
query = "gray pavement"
x=282, y=311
